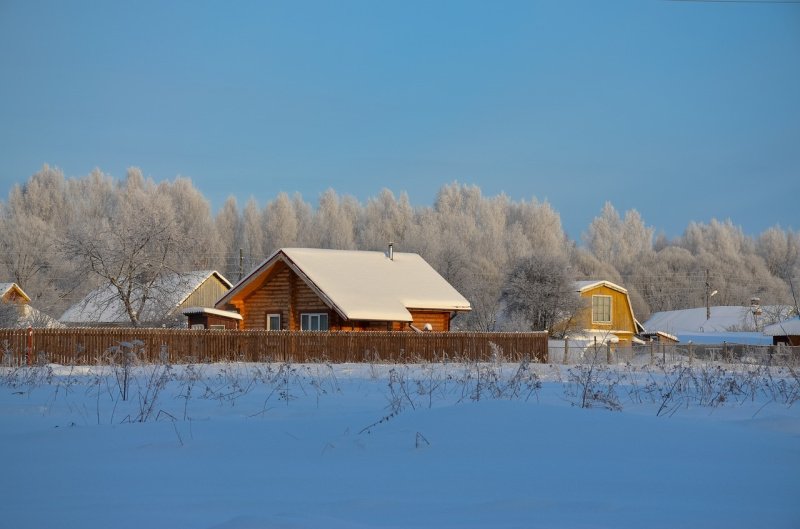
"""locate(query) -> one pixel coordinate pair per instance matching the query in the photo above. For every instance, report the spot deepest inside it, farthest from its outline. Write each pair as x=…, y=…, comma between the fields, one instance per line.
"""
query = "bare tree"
x=540, y=292
x=131, y=251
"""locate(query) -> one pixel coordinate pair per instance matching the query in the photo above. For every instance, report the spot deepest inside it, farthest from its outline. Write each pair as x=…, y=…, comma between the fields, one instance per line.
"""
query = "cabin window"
x=313, y=322
x=273, y=322
x=601, y=309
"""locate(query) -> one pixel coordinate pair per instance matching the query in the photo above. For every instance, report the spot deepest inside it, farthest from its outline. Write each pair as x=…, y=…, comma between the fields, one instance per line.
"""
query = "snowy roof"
x=103, y=305
x=215, y=312
x=24, y=316
x=6, y=287
x=583, y=286
x=784, y=328
x=365, y=285
x=715, y=338
x=722, y=319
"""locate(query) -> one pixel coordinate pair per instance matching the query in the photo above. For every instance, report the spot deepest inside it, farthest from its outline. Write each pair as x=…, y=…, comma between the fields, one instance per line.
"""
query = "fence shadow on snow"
x=653, y=353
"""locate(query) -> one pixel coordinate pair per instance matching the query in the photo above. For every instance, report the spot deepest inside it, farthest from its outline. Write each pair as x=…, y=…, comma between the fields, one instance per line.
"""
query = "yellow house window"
x=601, y=309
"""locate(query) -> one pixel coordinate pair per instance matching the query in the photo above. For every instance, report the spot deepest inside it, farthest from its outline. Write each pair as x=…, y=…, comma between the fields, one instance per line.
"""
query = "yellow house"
x=11, y=292
x=608, y=312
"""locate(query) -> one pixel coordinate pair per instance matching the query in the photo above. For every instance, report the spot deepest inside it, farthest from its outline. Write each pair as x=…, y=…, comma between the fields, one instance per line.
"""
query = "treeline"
x=61, y=237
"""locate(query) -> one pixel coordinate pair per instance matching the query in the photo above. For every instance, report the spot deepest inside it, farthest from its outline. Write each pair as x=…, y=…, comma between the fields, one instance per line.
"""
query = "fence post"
x=608, y=352
x=566, y=350
x=691, y=353
x=29, y=352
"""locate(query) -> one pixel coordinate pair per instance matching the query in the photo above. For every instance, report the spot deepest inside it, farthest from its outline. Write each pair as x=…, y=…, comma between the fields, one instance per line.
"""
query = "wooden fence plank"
x=87, y=346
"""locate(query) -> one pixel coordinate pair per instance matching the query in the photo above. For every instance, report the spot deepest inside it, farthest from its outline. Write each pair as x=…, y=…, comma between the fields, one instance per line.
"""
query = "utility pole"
x=241, y=263
x=708, y=297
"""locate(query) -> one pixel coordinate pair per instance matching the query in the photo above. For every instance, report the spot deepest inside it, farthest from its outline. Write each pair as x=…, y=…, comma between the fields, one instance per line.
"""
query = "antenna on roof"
x=391, y=251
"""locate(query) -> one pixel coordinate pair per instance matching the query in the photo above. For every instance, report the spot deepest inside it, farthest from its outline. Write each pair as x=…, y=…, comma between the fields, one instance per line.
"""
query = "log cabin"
x=331, y=290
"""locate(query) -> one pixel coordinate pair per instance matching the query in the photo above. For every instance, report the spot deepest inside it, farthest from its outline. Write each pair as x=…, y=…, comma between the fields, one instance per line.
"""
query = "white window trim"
x=318, y=315
x=269, y=318
x=610, y=309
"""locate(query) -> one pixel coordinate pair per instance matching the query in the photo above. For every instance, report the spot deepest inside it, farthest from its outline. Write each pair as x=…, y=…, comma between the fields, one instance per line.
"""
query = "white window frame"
x=307, y=321
x=269, y=321
x=595, y=310
x=216, y=327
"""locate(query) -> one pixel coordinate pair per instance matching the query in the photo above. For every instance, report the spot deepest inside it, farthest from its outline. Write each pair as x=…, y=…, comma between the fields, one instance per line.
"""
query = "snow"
x=786, y=328
x=216, y=312
x=723, y=318
x=589, y=284
x=745, y=338
x=104, y=305
x=368, y=285
x=252, y=446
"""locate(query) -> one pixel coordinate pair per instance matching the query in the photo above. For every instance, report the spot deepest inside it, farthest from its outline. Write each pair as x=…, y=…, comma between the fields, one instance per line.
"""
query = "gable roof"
x=784, y=328
x=103, y=305
x=589, y=284
x=5, y=288
x=362, y=285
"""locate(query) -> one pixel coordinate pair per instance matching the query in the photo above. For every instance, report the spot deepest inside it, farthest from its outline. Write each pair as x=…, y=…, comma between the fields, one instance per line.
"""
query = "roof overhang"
x=216, y=312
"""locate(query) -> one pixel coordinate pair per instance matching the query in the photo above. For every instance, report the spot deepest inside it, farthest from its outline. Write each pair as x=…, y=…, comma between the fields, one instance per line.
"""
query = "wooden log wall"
x=89, y=346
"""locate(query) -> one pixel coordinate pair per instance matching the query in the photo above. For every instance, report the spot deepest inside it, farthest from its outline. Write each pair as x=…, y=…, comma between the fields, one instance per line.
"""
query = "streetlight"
x=709, y=295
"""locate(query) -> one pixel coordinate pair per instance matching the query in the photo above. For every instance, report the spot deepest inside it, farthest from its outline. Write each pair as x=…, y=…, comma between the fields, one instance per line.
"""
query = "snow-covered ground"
x=257, y=446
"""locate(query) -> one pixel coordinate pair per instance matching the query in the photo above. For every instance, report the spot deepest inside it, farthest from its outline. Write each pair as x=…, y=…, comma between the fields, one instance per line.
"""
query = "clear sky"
x=682, y=110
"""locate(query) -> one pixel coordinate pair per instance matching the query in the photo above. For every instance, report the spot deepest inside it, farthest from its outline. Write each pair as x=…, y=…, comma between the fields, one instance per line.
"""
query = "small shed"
x=659, y=336
x=214, y=319
x=785, y=332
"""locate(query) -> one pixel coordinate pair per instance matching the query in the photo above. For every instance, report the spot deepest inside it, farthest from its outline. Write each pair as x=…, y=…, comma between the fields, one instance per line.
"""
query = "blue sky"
x=682, y=110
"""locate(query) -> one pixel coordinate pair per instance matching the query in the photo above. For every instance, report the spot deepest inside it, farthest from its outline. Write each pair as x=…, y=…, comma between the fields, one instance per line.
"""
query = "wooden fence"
x=106, y=345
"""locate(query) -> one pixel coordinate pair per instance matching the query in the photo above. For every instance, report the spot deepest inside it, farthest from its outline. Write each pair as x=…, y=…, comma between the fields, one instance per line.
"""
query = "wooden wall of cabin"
x=440, y=321
x=205, y=295
x=283, y=292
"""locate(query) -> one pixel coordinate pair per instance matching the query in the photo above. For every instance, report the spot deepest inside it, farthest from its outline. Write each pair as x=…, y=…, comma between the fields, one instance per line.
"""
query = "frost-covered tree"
x=252, y=235
x=32, y=220
x=130, y=250
x=619, y=242
x=385, y=219
x=229, y=229
x=781, y=253
x=335, y=221
x=280, y=224
x=539, y=291
x=194, y=220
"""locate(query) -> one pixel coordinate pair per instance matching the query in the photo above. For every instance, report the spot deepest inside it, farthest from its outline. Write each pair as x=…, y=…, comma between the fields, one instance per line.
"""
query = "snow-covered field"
x=246, y=446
